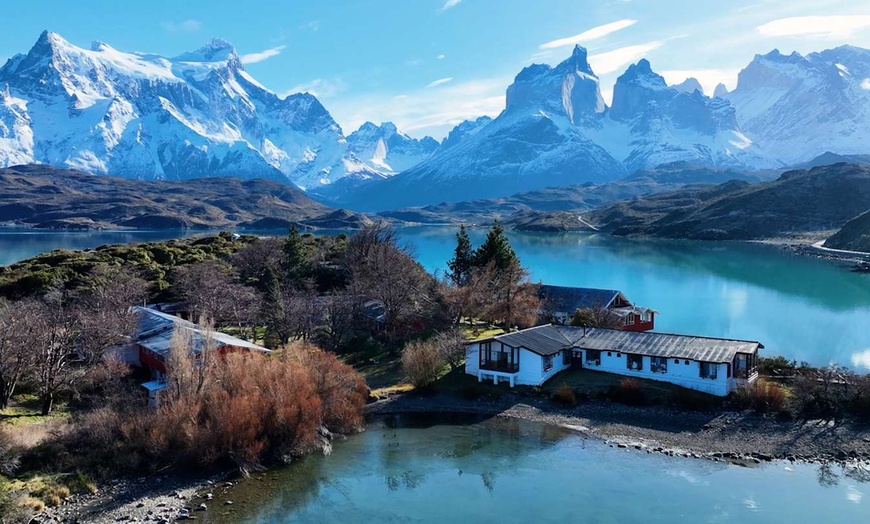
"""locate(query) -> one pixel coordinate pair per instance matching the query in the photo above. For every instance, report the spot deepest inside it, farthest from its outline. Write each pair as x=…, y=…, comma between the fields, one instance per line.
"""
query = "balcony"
x=502, y=367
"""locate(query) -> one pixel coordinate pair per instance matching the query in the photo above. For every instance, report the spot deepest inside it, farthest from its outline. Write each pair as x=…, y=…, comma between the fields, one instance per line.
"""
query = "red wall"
x=641, y=326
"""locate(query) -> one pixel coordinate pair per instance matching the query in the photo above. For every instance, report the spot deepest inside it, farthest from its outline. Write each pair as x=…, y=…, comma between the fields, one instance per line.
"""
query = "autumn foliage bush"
x=240, y=409
x=630, y=392
x=565, y=395
x=763, y=396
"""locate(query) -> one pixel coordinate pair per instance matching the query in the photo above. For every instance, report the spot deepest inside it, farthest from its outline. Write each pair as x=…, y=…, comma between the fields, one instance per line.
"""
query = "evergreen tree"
x=463, y=259
x=297, y=263
x=496, y=249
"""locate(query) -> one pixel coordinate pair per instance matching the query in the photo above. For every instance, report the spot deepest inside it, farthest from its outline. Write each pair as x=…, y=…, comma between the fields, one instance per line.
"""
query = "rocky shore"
x=738, y=437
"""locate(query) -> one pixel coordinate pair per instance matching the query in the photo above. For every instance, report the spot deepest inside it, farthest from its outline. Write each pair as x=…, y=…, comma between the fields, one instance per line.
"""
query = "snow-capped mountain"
x=144, y=116
x=557, y=130
x=689, y=85
x=383, y=148
x=651, y=124
x=798, y=107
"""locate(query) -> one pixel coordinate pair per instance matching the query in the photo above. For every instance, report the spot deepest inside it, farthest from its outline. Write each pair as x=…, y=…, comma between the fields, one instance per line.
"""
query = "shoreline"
x=739, y=438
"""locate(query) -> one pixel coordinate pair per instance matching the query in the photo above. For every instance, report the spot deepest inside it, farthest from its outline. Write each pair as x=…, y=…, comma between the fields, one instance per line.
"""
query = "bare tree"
x=451, y=346
x=598, y=316
x=105, y=310
x=338, y=314
x=258, y=258
x=383, y=270
x=57, y=333
x=190, y=361
x=292, y=312
x=17, y=340
x=204, y=287
x=506, y=295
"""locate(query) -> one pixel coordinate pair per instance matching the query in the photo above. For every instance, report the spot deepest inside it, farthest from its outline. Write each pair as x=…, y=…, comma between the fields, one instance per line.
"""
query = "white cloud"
x=440, y=82
x=865, y=84
x=835, y=26
x=709, y=78
x=440, y=57
x=313, y=25
x=424, y=111
x=592, y=34
x=319, y=87
x=861, y=359
x=611, y=61
x=187, y=26
x=450, y=3
x=253, y=58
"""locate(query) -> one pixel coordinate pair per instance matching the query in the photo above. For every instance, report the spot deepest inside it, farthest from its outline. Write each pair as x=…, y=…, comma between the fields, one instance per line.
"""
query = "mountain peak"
x=215, y=50
x=579, y=60
x=720, y=91
x=689, y=85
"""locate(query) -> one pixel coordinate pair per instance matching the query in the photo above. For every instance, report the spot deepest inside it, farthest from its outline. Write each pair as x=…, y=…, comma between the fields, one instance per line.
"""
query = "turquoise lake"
x=510, y=471
x=799, y=307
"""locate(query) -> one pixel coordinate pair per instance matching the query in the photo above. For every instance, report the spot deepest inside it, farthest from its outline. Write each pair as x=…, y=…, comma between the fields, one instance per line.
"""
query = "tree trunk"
x=47, y=403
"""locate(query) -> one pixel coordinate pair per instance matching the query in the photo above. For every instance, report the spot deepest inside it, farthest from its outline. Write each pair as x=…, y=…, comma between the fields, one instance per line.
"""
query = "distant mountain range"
x=200, y=114
x=46, y=197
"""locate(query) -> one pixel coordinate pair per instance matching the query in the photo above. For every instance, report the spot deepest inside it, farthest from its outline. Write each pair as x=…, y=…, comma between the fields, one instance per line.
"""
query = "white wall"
x=531, y=372
x=688, y=376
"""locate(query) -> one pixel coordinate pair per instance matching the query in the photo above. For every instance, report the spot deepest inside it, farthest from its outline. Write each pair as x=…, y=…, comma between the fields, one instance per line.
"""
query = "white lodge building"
x=532, y=356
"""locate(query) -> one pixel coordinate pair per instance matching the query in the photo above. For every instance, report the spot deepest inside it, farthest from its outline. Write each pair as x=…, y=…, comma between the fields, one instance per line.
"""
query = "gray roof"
x=543, y=340
x=549, y=340
x=570, y=299
x=155, y=328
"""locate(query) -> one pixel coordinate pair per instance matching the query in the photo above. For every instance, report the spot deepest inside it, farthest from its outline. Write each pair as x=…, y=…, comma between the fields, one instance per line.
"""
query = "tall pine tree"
x=495, y=249
x=463, y=259
x=297, y=256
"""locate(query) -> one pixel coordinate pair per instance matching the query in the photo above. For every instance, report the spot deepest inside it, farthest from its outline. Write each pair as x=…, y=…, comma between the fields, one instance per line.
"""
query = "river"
x=799, y=307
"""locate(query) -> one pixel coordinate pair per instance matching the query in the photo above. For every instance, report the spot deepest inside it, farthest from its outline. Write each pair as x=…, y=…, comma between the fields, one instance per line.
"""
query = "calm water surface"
x=514, y=471
x=803, y=308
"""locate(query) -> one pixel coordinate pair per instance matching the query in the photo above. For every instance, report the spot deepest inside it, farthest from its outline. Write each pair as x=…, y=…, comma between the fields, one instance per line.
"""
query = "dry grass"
x=763, y=396
x=28, y=435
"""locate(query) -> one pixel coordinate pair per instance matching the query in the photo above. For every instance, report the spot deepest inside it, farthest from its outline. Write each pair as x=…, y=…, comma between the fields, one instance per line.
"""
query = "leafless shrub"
x=421, y=363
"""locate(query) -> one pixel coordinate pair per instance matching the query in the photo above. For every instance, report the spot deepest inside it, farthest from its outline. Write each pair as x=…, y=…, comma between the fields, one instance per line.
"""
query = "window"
x=709, y=370
x=628, y=320
x=593, y=357
x=676, y=361
x=658, y=364
x=609, y=354
x=566, y=357
x=686, y=362
x=548, y=363
x=634, y=362
x=646, y=316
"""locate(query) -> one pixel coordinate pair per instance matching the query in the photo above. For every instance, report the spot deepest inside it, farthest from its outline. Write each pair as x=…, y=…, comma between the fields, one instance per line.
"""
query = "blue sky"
x=429, y=64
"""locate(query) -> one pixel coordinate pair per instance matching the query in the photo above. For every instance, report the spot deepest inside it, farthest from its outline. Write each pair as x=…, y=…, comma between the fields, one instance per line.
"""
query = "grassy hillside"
x=52, y=198
x=854, y=236
x=798, y=202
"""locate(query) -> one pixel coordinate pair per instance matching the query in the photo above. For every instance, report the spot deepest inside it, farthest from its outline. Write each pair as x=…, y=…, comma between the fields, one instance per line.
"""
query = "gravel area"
x=734, y=436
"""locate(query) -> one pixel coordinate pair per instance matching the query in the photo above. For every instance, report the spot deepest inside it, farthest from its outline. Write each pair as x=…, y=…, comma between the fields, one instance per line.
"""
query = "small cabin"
x=561, y=302
x=533, y=356
x=149, y=345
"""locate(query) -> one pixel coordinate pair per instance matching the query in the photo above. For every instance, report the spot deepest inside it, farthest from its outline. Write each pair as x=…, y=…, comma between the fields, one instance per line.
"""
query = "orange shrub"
x=241, y=409
x=565, y=395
